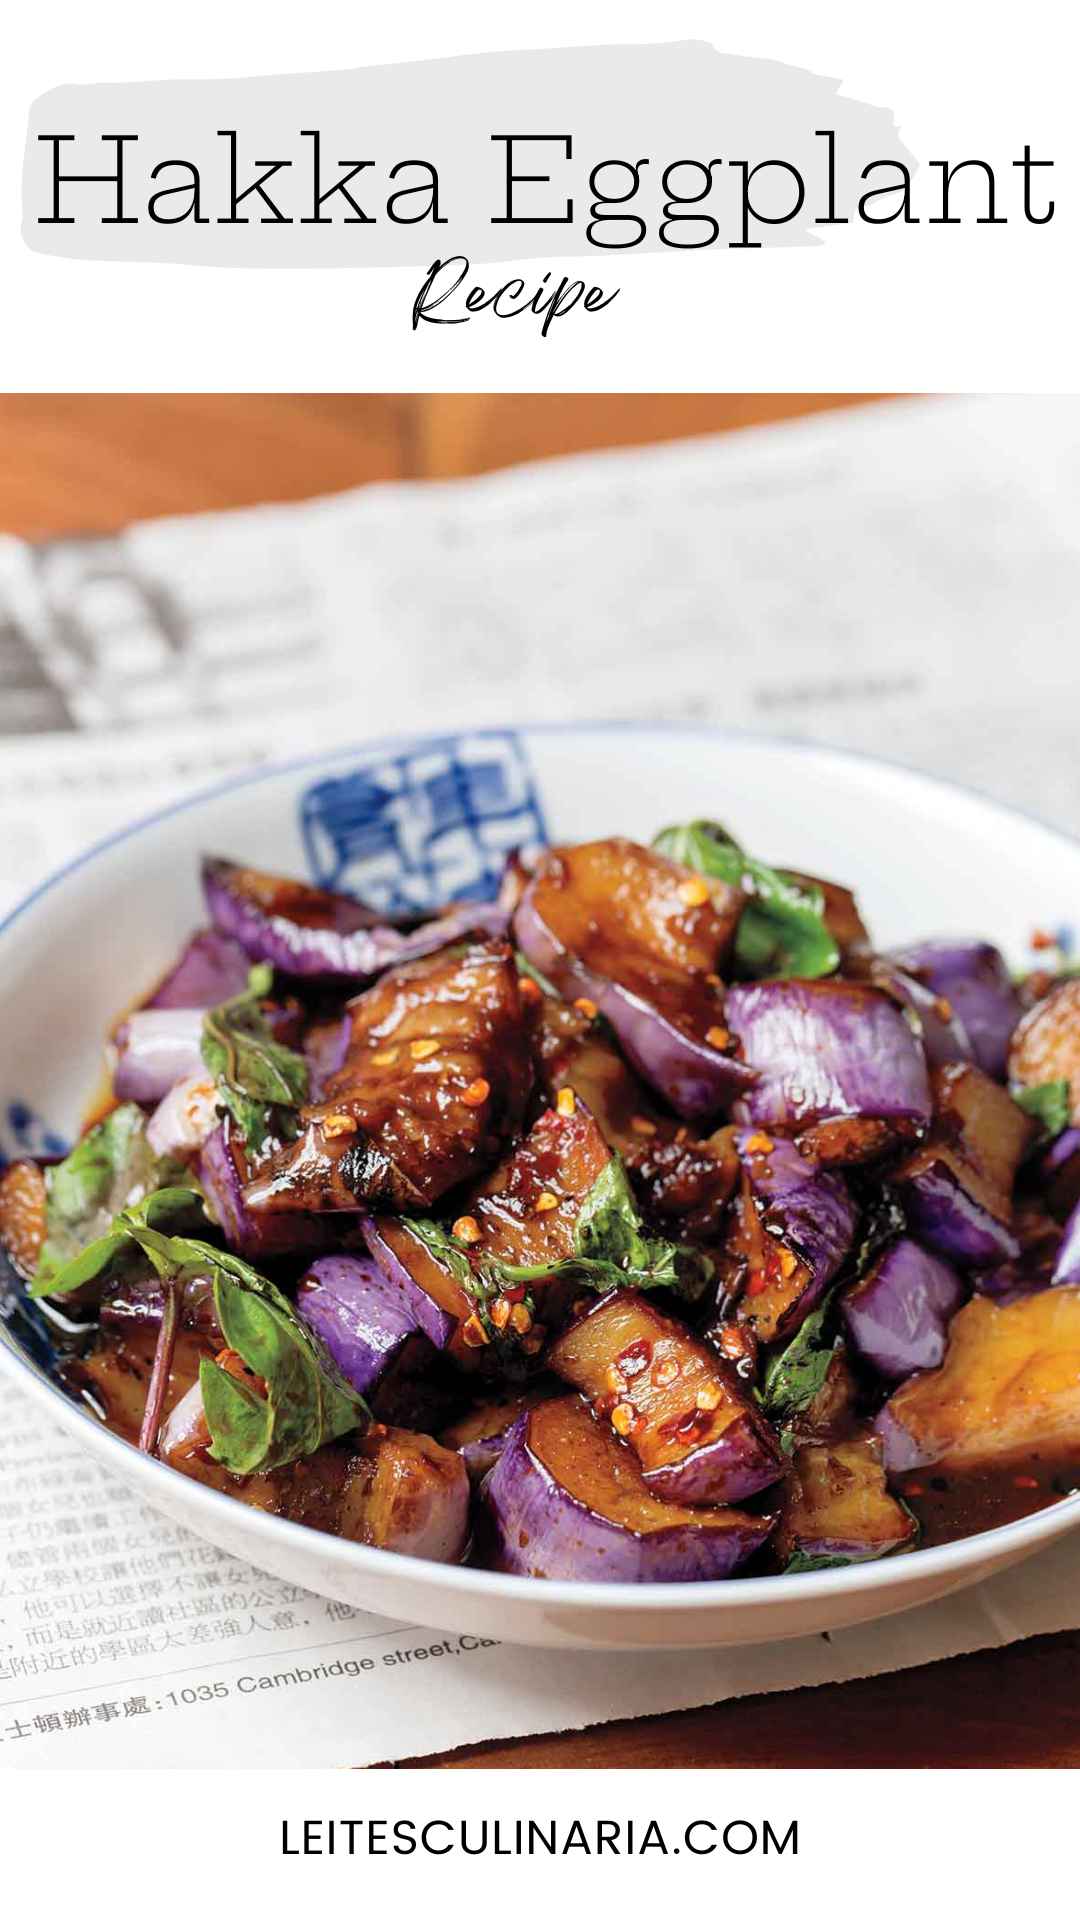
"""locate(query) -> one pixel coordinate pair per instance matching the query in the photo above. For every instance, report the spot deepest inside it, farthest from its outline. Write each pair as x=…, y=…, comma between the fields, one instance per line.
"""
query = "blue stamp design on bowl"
x=23, y=1131
x=434, y=822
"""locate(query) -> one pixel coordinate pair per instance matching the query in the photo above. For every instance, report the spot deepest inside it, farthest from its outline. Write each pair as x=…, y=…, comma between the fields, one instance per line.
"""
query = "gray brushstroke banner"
x=662, y=104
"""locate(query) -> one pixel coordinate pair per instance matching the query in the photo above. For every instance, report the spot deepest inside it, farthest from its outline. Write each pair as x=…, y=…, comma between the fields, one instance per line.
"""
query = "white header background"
x=911, y=308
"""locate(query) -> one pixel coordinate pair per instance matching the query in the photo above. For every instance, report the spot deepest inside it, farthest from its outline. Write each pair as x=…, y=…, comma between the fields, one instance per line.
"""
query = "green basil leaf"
x=161, y=1208
x=307, y=1402
x=257, y=1077
x=1050, y=1104
x=782, y=928
x=610, y=1250
x=108, y=1168
x=814, y=1563
x=795, y=1376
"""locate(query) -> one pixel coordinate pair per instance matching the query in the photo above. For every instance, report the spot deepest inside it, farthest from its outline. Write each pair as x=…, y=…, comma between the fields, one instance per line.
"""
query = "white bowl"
x=420, y=819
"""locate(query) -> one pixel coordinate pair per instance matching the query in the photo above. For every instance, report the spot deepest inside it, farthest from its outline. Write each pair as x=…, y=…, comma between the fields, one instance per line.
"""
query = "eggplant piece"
x=1009, y=1386
x=897, y=1314
x=837, y=1506
x=676, y=1177
x=1040, y=1239
x=943, y=1036
x=133, y=1296
x=211, y=969
x=312, y=934
x=643, y=941
x=957, y=1189
x=184, y=1119
x=23, y=1201
x=434, y=1081
x=369, y=1322
x=429, y=1284
x=827, y=1050
x=793, y=1228
x=693, y=1426
x=223, y=1173
x=567, y=1501
x=1046, y=1044
x=481, y=1434
x=155, y=1048
x=526, y=1215
x=385, y=1488
x=830, y=1414
x=971, y=977
x=526, y=1212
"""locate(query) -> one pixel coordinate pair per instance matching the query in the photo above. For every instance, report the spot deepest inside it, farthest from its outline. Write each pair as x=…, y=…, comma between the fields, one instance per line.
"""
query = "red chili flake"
x=757, y=1282
x=1040, y=940
x=915, y=1487
x=634, y=1359
x=1024, y=1480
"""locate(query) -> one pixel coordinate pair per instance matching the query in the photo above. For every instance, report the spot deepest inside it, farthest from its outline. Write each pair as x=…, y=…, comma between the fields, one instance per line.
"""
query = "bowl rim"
x=759, y=1591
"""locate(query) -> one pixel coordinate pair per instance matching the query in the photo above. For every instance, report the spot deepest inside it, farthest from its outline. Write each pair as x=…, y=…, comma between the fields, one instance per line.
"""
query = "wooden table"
x=80, y=462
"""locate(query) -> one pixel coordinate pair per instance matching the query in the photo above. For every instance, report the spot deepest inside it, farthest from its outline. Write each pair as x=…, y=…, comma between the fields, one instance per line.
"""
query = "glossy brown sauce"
x=951, y=1504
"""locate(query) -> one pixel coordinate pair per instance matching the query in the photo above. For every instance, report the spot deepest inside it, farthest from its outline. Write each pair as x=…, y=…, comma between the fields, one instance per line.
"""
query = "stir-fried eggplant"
x=897, y=1313
x=1009, y=1386
x=957, y=1189
x=434, y=1080
x=692, y=1424
x=22, y=1214
x=792, y=1228
x=677, y=1176
x=309, y=933
x=642, y=941
x=1046, y=1044
x=481, y=1434
x=828, y=1051
x=661, y=1213
x=566, y=1501
x=836, y=1507
x=971, y=979
x=390, y=1488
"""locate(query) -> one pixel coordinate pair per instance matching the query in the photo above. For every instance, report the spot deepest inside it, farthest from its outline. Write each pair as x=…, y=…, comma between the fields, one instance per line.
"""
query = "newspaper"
x=899, y=579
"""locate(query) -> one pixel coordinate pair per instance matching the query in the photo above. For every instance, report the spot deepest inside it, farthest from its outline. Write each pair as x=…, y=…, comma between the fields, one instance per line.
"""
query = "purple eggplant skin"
x=532, y=1523
x=373, y=1302
x=944, y=1038
x=826, y=1049
x=1067, y=1266
x=312, y=934
x=973, y=978
x=743, y=1460
x=949, y=1221
x=897, y=1314
x=222, y=1171
x=433, y=1320
x=211, y=969
x=154, y=1049
x=363, y=1317
x=806, y=1209
x=694, y=1078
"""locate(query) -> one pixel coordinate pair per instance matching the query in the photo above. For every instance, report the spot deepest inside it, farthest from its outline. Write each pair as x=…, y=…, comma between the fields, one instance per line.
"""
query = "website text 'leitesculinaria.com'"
x=514, y=1839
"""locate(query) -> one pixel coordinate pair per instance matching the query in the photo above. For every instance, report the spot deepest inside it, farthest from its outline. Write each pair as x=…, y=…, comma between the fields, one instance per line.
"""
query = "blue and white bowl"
x=416, y=822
